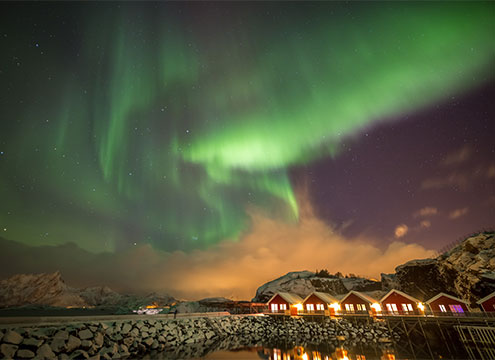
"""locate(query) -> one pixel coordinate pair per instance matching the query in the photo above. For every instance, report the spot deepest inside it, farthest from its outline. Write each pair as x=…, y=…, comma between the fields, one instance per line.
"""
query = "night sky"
x=210, y=131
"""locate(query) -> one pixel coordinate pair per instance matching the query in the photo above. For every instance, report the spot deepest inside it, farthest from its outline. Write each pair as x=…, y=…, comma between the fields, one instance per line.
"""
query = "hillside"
x=466, y=271
x=51, y=290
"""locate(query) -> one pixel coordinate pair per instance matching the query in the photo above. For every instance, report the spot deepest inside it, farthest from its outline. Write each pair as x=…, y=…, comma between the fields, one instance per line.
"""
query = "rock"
x=24, y=354
x=63, y=357
x=12, y=337
x=32, y=342
x=45, y=352
x=79, y=354
x=86, y=344
x=58, y=345
x=98, y=339
x=148, y=341
x=62, y=334
x=73, y=343
x=126, y=328
x=7, y=350
x=85, y=334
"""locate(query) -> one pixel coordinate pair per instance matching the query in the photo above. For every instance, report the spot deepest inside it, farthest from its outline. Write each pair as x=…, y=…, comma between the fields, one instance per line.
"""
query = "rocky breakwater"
x=128, y=338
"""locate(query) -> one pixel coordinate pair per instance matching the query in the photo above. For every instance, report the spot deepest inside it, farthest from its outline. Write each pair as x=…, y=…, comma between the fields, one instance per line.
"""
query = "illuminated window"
x=320, y=307
x=409, y=307
x=361, y=307
x=283, y=306
x=349, y=307
x=310, y=307
x=442, y=308
x=456, y=308
x=394, y=307
x=274, y=307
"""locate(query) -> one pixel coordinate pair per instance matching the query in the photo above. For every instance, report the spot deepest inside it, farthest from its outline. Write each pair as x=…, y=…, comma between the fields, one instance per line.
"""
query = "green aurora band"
x=166, y=131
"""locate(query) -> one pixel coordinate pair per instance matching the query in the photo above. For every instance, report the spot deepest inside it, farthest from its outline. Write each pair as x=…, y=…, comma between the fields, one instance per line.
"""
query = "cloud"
x=457, y=157
x=233, y=269
x=458, y=180
x=457, y=213
x=490, y=172
x=401, y=230
x=426, y=211
x=424, y=224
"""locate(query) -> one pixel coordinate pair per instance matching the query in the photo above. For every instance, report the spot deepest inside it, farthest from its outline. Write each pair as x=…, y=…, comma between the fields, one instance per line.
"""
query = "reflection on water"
x=239, y=348
x=340, y=353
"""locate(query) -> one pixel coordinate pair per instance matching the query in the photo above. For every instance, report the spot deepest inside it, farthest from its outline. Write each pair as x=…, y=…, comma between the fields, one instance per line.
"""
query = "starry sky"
x=174, y=126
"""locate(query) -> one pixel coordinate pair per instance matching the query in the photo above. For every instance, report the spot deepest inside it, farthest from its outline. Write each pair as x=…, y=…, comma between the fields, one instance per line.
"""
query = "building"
x=488, y=302
x=445, y=304
x=396, y=302
x=285, y=303
x=358, y=303
x=320, y=303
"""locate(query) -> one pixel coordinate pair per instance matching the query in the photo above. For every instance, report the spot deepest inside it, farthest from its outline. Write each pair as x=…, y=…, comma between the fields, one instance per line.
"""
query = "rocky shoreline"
x=128, y=338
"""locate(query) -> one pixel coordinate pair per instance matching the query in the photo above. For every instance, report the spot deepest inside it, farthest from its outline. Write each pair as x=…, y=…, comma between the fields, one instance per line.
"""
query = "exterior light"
x=335, y=306
x=299, y=306
x=376, y=306
x=421, y=307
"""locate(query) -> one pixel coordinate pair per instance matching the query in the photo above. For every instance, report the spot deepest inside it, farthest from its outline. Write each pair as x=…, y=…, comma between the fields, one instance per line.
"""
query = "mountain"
x=303, y=283
x=466, y=271
x=51, y=290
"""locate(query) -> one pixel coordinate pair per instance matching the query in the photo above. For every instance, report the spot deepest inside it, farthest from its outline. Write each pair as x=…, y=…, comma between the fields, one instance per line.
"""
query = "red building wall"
x=278, y=300
x=489, y=305
x=353, y=299
x=445, y=301
x=313, y=299
x=398, y=300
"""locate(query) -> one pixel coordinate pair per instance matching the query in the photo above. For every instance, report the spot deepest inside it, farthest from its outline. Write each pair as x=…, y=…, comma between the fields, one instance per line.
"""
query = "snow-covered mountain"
x=303, y=283
x=51, y=290
x=466, y=271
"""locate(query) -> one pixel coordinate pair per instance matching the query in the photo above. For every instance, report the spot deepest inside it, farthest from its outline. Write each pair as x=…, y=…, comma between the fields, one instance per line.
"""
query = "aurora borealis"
x=168, y=123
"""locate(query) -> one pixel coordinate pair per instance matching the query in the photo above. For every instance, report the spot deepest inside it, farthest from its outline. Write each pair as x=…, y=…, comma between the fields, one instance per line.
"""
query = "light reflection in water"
x=300, y=353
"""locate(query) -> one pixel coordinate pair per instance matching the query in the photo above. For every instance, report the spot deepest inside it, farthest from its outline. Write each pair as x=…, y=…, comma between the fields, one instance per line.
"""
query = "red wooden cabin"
x=445, y=304
x=285, y=303
x=488, y=302
x=319, y=302
x=358, y=303
x=396, y=302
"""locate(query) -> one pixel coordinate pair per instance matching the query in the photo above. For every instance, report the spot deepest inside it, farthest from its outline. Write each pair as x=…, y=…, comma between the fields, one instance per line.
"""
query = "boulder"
x=32, y=342
x=73, y=343
x=45, y=352
x=126, y=328
x=58, y=345
x=79, y=354
x=98, y=339
x=12, y=337
x=62, y=334
x=24, y=354
x=85, y=334
x=8, y=350
x=86, y=344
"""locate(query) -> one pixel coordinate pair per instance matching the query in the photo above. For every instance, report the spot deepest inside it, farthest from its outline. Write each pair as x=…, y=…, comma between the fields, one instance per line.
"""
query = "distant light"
x=135, y=244
x=4, y=229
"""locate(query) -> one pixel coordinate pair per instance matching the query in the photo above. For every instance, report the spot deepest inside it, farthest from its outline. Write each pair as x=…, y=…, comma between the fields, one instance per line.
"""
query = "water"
x=285, y=349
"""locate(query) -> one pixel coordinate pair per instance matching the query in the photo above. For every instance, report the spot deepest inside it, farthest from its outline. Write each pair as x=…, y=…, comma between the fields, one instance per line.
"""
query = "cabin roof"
x=290, y=298
x=400, y=293
x=439, y=295
x=480, y=301
x=327, y=298
x=362, y=296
